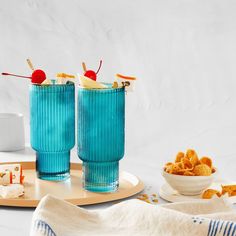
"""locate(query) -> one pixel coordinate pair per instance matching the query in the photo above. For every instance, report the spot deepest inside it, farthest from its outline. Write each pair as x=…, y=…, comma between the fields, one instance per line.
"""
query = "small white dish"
x=12, y=137
x=189, y=185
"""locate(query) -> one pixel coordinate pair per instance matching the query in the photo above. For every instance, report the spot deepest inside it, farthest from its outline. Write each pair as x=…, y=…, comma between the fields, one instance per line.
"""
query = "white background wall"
x=182, y=51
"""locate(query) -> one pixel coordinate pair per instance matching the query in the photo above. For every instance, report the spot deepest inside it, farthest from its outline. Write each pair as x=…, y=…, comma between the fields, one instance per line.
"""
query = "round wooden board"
x=70, y=190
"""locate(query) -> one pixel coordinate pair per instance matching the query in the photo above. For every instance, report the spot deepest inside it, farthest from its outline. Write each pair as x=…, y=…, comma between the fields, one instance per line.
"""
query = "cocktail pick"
x=90, y=73
x=37, y=77
x=21, y=76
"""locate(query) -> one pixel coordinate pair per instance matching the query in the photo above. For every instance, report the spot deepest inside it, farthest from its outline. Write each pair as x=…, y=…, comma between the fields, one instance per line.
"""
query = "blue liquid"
x=52, y=129
x=101, y=135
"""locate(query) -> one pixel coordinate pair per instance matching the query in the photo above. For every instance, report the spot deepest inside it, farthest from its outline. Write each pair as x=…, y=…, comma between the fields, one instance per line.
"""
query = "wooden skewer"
x=84, y=67
x=30, y=64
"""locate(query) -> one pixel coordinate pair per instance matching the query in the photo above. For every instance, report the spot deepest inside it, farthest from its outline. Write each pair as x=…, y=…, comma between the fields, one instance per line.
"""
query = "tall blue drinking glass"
x=52, y=129
x=101, y=135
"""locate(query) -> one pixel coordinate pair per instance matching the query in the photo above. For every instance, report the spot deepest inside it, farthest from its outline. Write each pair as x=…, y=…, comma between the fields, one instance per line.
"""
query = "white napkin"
x=135, y=218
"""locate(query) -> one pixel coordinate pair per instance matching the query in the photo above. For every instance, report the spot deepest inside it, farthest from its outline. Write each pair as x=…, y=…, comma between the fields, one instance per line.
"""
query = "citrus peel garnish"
x=125, y=77
x=64, y=75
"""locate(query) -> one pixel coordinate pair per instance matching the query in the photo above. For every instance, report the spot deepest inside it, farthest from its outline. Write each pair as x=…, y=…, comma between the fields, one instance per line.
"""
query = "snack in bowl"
x=189, y=174
x=189, y=164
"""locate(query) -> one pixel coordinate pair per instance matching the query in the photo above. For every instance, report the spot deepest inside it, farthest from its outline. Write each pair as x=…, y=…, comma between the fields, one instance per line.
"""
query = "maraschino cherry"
x=37, y=77
x=90, y=73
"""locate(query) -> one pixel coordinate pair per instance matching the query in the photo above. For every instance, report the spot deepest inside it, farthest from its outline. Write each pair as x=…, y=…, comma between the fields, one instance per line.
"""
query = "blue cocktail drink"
x=101, y=135
x=52, y=129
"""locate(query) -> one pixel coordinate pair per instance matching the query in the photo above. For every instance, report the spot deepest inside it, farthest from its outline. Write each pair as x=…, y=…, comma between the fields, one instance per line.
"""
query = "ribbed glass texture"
x=52, y=129
x=101, y=135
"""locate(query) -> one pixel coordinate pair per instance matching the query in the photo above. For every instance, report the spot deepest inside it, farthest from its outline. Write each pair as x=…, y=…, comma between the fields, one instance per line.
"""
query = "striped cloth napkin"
x=54, y=217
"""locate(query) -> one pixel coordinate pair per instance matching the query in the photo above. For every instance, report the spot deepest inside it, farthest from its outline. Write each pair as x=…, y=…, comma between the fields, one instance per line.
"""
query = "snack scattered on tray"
x=189, y=164
x=225, y=189
x=11, y=180
x=148, y=198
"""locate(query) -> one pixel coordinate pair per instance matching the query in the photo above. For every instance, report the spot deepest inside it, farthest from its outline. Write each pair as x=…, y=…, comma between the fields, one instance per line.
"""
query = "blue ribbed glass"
x=101, y=135
x=52, y=129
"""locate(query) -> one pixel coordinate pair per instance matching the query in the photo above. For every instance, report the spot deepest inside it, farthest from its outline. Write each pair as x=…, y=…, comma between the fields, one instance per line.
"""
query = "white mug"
x=12, y=135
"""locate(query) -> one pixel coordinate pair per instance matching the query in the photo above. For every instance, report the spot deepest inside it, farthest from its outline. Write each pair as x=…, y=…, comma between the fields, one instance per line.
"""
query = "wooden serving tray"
x=70, y=190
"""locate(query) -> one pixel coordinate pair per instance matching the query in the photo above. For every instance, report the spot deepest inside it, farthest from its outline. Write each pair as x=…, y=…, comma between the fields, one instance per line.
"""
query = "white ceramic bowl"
x=189, y=185
x=12, y=136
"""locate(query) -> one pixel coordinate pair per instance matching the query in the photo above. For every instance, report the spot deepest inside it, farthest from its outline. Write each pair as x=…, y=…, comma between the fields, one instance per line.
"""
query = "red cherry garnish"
x=91, y=74
x=38, y=76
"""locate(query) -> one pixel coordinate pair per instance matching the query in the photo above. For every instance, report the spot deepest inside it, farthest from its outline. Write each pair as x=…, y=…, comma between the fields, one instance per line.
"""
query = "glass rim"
x=52, y=85
x=101, y=89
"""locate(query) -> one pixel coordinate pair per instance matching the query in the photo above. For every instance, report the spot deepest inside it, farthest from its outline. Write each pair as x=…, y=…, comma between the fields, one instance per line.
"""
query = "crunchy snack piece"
x=233, y=193
x=149, y=199
x=207, y=161
x=174, y=168
x=202, y=170
x=230, y=189
x=141, y=198
x=179, y=156
x=190, y=153
x=194, y=160
x=209, y=193
x=168, y=164
x=181, y=165
x=188, y=173
x=187, y=163
x=144, y=195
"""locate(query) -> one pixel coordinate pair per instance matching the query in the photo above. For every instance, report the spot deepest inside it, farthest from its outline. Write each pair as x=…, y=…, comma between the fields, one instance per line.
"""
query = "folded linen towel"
x=54, y=217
